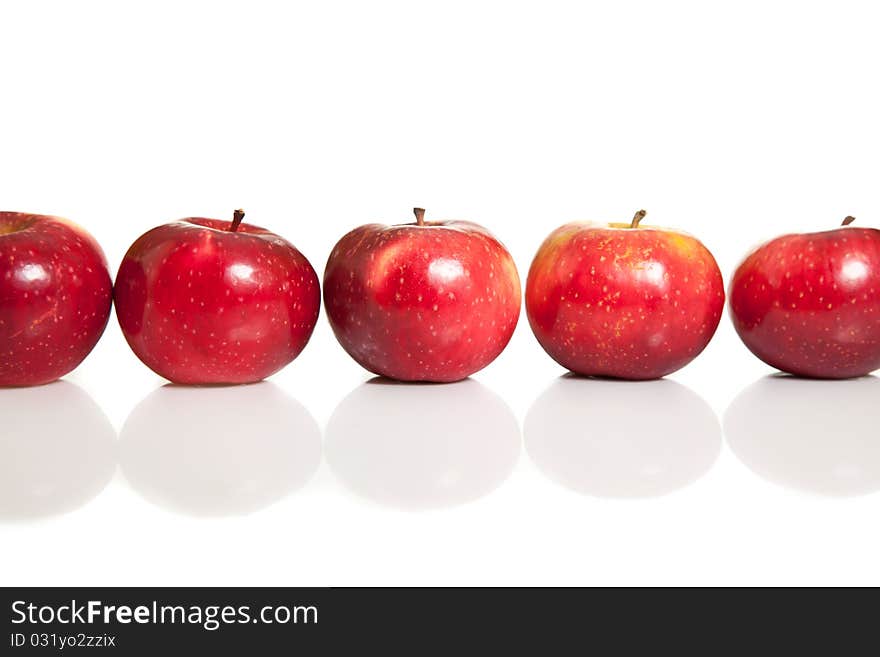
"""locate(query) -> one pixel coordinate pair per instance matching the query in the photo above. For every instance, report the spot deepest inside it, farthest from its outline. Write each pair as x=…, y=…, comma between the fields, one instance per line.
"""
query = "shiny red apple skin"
x=434, y=302
x=620, y=302
x=809, y=304
x=55, y=297
x=200, y=304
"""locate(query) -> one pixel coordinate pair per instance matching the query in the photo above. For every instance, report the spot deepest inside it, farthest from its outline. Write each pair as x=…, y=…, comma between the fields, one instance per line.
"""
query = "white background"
x=736, y=122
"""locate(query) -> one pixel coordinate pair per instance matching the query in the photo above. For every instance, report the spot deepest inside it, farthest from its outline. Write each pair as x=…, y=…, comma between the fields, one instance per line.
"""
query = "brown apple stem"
x=637, y=219
x=848, y=221
x=420, y=216
x=237, y=216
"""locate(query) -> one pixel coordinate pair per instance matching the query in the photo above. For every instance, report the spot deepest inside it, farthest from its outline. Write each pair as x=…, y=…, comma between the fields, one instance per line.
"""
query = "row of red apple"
x=204, y=301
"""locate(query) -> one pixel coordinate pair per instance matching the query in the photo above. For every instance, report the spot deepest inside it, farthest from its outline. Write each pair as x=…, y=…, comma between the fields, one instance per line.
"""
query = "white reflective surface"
x=817, y=436
x=219, y=450
x=422, y=446
x=216, y=485
x=57, y=450
x=621, y=439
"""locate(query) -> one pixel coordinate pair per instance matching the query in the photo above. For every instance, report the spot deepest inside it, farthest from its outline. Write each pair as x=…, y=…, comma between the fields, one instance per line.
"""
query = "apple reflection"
x=422, y=446
x=622, y=439
x=57, y=450
x=219, y=450
x=811, y=435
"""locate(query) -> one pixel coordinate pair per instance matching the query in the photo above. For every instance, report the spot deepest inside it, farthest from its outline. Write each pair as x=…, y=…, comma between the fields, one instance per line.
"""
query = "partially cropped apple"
x=809, y=304
x=206, y=301
x=55, y=297
x=623, y=300
x=425, y=301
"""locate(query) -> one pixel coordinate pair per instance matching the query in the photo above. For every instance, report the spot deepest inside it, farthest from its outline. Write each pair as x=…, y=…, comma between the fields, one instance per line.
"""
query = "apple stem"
x=637, y=219
x=420, y=216
x=848, y=221
x=237, y=216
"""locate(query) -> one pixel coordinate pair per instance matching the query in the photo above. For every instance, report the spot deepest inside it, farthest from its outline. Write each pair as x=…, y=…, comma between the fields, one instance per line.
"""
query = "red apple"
x=205, y=301
x=430, y=301
x=623, y=300
x=55, y=297
x=809, y=304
